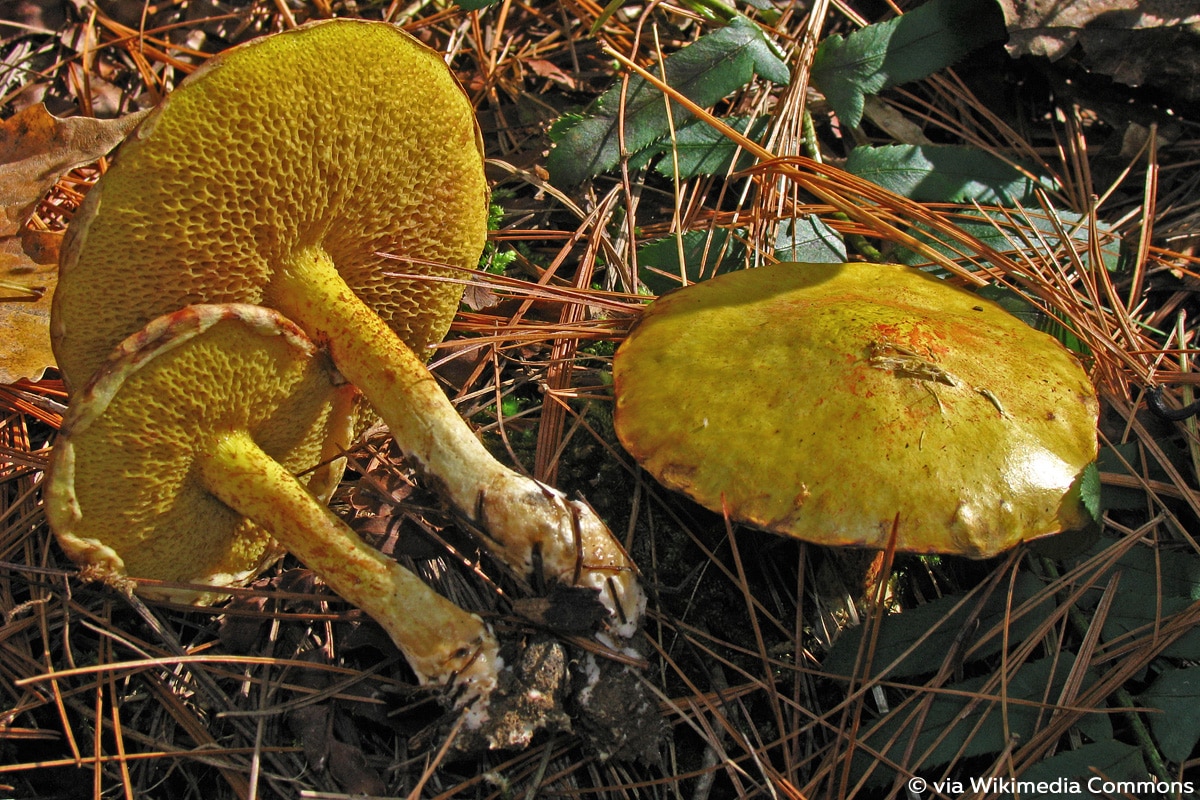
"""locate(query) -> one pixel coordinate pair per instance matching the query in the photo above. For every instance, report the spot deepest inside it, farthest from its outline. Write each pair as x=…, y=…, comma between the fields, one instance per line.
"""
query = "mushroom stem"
x=528, y=524
x=442, y=643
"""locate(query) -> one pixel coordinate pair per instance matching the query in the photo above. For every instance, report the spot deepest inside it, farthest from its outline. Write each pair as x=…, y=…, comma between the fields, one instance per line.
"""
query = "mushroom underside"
x=264, y=179
x=181, y=456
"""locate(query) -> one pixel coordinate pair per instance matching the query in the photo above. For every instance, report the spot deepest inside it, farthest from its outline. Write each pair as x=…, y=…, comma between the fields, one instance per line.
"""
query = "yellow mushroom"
x=281, y=173
x=839, y=403
x=186, y=441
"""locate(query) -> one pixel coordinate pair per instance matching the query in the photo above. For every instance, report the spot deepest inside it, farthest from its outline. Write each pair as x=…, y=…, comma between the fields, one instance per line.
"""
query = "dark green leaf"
x=1090, y=490
x=1176, y=693
x=1113, y=459
x=957, y=726
x=944, y=173
x=1139, y=612
x=1066, y=775
x=705, y=71
x=908, y=48
x=809, y=240
x=558, y=128
x=703, y=257
x=1152, y=588
x=701, y=150
x=1145, y=573
x=1026, y=232
x=938, y=629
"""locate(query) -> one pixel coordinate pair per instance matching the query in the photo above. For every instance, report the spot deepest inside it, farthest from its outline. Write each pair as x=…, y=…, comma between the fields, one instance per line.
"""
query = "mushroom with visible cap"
x=277, y=174
x=187, y=440
x=839, y=402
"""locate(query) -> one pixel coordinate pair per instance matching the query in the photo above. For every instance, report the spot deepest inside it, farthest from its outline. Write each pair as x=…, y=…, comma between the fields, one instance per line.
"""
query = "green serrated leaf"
x=945, y=174
x=704, y=256
x=1176, y=693
x=848, y=69
x=705, y=71
x=702, y=150
x=809, y=240
x=907, y=48
x=558, y=128
x=699, y=148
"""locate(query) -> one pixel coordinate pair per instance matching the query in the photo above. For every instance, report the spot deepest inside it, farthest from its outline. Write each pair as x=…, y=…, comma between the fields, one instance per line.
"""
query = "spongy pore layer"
x=125, y=494
x=346, y=135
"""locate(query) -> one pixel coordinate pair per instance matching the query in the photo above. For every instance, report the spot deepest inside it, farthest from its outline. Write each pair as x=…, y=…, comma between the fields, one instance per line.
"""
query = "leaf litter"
x=36, y=150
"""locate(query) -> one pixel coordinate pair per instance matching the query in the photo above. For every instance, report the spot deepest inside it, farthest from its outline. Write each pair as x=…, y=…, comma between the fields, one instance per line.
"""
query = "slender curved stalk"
x=442, y=643
x=528, y=524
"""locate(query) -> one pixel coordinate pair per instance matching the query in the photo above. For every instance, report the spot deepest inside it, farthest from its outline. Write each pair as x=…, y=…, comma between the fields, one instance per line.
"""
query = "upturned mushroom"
x=281, y=173
x=838, y=403
x=186, y=441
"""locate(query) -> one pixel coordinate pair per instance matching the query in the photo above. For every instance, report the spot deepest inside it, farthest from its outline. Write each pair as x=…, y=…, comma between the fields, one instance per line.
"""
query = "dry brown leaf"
x=28, y=273
x=346, y=763
x=551, y=71
x=479, y=297
x=1135, y=42
x=36, y=149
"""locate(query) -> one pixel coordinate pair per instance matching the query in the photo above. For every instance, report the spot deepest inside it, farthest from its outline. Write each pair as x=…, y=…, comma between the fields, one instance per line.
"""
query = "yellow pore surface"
x=125, y=493
x=345, y=135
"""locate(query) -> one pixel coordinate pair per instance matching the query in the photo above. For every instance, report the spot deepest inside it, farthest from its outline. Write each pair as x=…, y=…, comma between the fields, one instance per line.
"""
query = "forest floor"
x=1067, y=187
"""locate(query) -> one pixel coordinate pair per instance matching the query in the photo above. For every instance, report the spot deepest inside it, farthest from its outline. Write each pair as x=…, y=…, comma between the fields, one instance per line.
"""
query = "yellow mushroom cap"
x=345, y=135
x=123, y=496
x=832, y=401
